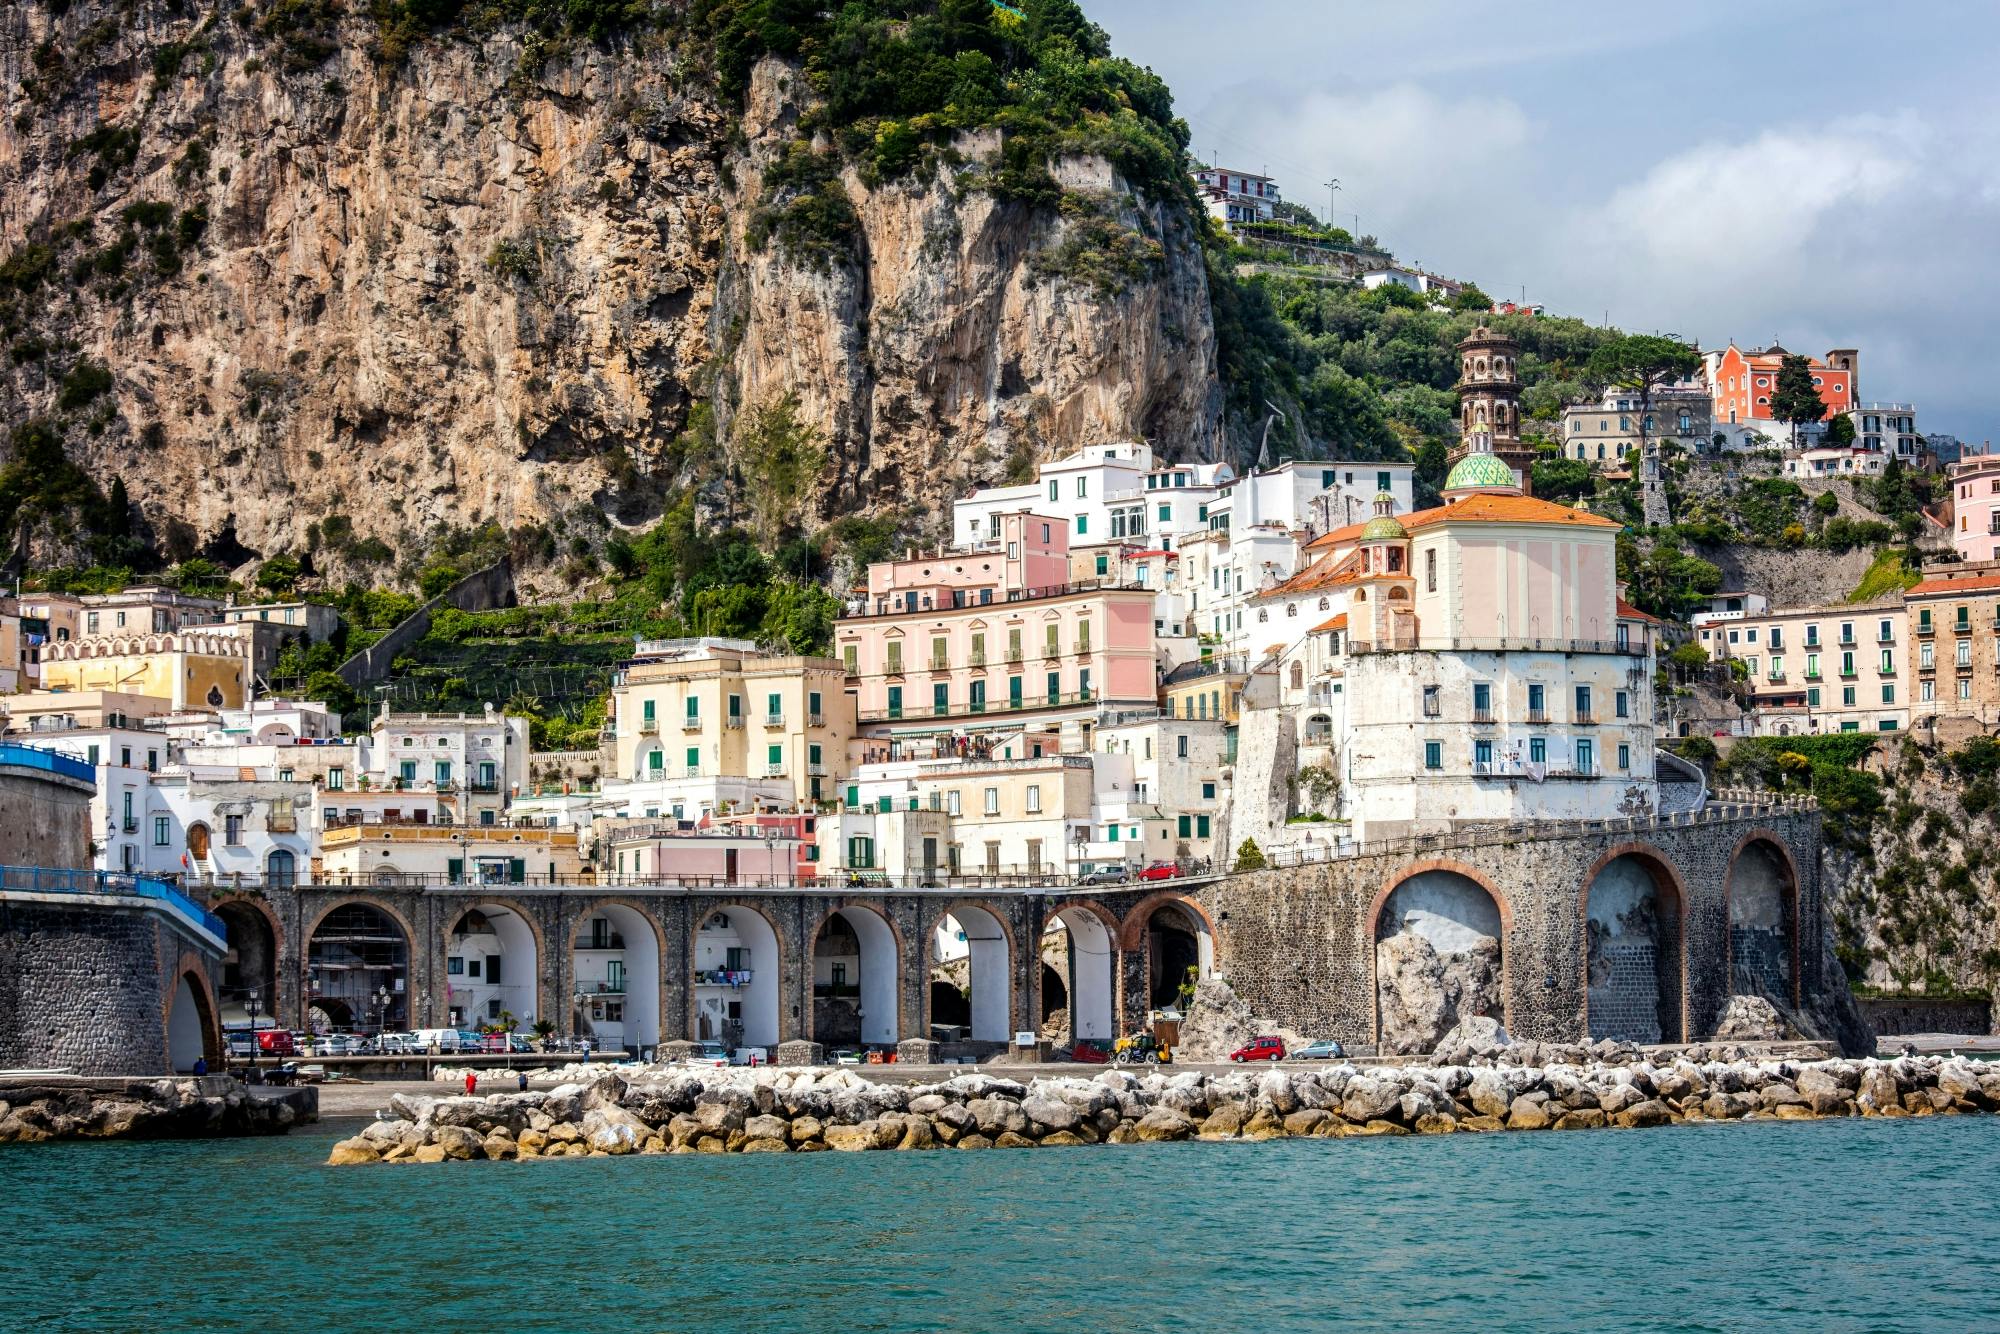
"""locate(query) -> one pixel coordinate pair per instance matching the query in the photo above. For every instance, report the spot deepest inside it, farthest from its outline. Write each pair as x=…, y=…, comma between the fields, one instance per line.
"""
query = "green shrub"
x=84, y=383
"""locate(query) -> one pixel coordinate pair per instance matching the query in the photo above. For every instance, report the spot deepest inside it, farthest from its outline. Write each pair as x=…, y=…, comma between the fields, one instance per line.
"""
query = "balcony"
x=1847, y=640
x=726, y=977
x=1050, y=652
x=1848, y=672
x=593, y=988
x=1482, y=715
x=1586, y=717
x=978, y=659
x=1083, y=646
x=614, y=941
x=893, y=668
x=690, y=724
x=815, y=720
x=1813, y=675
x=816, y=770
x=1538, y=717
x=940, y=665
x=774, y=771
x=774, y=720
x=131, y=823
x=649, y=726
x=1013, y=655
x=733, y=720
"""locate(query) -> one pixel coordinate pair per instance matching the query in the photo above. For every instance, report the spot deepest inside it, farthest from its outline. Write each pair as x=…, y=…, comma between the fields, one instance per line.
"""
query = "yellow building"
x=191, y=669
x=415, y=854
x=1206, y=688
x=716, y=708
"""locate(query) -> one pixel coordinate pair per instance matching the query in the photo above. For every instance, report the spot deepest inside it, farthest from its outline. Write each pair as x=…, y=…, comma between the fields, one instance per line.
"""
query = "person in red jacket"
x=471, y=1083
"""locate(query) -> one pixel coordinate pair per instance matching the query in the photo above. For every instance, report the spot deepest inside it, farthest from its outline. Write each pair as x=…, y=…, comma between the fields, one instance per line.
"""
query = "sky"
x=1821, y=175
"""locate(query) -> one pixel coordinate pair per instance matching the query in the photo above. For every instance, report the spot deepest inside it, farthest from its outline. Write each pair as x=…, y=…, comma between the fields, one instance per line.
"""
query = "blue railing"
x=54, y=880
x=34, y=757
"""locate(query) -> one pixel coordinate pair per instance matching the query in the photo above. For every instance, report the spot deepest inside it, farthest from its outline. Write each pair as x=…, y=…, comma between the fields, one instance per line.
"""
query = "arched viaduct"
x=1636, y=929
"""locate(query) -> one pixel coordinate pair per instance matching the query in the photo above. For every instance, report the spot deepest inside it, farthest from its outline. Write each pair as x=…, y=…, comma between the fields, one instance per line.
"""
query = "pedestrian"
x=524, y=1081
x=471, y=1083
x=201, y=1065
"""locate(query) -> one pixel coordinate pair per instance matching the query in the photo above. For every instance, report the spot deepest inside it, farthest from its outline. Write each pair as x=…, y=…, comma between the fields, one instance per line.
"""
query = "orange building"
x=1742, y=383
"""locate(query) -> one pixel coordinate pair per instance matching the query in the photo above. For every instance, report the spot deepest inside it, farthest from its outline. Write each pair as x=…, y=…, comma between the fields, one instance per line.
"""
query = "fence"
x=48, y=761
x=52, y=880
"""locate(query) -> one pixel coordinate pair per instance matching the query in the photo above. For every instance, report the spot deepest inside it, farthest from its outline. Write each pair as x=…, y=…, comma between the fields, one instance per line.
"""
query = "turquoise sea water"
x=1832, y=1225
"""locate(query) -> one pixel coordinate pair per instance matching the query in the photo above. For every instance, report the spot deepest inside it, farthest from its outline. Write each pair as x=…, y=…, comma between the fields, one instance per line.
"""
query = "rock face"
x=210, y=1105
x=1425, y=994
x=483, y=283
x=1219, y=1021
x=1749, y=1019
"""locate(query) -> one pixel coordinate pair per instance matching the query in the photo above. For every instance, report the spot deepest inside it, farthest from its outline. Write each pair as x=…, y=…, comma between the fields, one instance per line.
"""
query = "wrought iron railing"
x=49, y=761
x=53, y=880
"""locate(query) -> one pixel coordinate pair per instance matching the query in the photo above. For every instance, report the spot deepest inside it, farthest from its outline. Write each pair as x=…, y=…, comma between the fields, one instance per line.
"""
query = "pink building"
x=1975, y=503
x=949, y=640
x=655, y=852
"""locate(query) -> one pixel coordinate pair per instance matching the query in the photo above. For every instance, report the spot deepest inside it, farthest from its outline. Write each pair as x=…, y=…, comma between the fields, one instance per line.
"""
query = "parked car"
x=518, y=1044
x=1085, y=1052
x=1260, y=1049
x=1326, y=1049
x=847, y=1056
x=397, y=1044
x=1107, y=877
x=1161, y=871
x=749, y=1056
x=240, y=1043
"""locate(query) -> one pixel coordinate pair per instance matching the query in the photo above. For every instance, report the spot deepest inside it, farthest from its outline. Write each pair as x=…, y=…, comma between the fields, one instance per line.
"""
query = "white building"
x=1414, y=280
x=1235, y=196
x=475, y=762
x=1102, y=493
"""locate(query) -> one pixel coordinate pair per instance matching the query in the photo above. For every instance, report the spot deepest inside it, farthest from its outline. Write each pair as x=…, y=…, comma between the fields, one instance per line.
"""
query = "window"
x=1583, y=702
x=1965, y=687
x=1208, y=792
x=1965, y=652
x=992, y=801
x=1927, y=691
x=336, y=778
x=1586, y=757
x=1537, y=700
x=895, y=664
x=1538, y=750
x=693, y=758
x=951, y=802
x=1888, y=661
x=895, y=701
x=1054, y=494
x=1812, y=696
x=1082, y=524
x=1432, y=707
x=1482, y=756
x=1433, y=754
x=812, y=706
x=1103, y=564
x=162, y=830
x=1082, y=487
x=1431, y=571
x=849, y=659
x=232, y=831
x=1624, y=756
x=941, y=699
x=1381, y=481
x=1889, y=693
x=774, y=755
x=1034, y=798
x=1812, y=666
x=1181, y=746
x=1847, y=697
x=441, y=773
x=1622, y=702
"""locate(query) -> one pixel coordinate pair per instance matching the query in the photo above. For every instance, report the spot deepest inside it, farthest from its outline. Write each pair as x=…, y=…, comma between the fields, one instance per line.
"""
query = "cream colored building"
x=190, y=669
x=960, y=819
x=706, y=709
x=384, y=854
x=47, y=711
x=1836, y=668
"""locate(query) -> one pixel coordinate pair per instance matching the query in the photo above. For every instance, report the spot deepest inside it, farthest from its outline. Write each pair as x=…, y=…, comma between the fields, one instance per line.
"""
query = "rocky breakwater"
x=798, y=1111
x=209, y=1105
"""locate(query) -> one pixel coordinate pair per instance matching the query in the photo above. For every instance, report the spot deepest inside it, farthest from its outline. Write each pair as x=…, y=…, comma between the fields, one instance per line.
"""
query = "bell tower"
x=1489, y=400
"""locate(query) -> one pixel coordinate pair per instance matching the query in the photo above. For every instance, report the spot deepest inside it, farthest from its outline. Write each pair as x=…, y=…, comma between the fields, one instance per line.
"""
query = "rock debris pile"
x=800, y=1111
x=146, y=1109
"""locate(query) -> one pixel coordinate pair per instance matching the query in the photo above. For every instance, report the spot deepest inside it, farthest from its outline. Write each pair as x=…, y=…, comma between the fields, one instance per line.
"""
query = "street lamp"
x=253, y=1027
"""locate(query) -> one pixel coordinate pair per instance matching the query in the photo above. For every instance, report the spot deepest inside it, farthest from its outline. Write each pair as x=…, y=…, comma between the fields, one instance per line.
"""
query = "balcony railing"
x=774, y=771
x=882, y=606
x=1586, y=716
x=977, y=660
x=614, y=941
x=648, y=726
x=1538, y=717
x=816, y=770
x=1482, y=715
x=940, y=664
x=1057, y=701
x=734, y=720
x=45, y=880
x=590, y=987
x=723, y=977
x=690, y=724
x=1629, y=648
x=815, y=720
x=774, y=720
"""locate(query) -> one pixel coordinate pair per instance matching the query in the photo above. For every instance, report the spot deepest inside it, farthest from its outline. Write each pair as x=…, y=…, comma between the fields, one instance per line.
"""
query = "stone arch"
x=256, y=943
x=1443, y=956
x=1167, y=957
x=1091, y=967
x=870, y=977
x=990, y=954
x=639, y=957
x=723, y=1005
x=1763, y=917
x=368, y=974
x=519, y=934
x=193, y=1023
x=1634, y=946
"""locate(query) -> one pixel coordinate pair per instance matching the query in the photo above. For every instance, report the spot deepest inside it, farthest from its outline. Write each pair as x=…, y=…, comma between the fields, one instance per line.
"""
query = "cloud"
x=1733, y=210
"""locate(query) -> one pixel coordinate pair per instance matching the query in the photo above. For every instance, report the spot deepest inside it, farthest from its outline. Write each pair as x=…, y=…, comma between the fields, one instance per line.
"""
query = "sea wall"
x=666, y=1110
x=35, y=1112
x=1897, y=1016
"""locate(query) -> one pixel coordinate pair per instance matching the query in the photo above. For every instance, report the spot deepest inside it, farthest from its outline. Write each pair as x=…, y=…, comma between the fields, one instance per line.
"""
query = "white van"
x=439, y=1039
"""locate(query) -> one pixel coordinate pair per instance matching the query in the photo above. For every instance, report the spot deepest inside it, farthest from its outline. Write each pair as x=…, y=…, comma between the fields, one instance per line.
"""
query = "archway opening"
x=1762, y=932
x=251, y=965
x=736, y=979
x=616, y=968
x=1632, y=955
x=359, y=958
x=1438, y=944
x=969, y=952
x=1077, y=947
x=1178, y=954
x=854, y=980
x=1055, y=995
x=491, y=969
x=189, y=1027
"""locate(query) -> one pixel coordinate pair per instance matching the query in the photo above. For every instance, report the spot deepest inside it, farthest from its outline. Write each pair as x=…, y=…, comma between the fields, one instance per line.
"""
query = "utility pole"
x=1331, y=186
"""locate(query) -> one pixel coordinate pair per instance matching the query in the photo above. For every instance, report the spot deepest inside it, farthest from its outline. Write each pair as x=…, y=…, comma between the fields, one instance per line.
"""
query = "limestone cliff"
x=489, y=281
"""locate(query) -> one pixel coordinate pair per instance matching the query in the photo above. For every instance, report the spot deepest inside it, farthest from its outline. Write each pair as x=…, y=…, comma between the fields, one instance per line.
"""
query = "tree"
x=1643, y=363
x=1687, y=658
x=785, y=459
x=1840, y=431
x=1250, y=857
x=1795, y=399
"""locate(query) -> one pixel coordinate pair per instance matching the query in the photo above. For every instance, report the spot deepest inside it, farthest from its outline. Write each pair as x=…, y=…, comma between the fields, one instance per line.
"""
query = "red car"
x=1260, y=1049
x=1161, y=871
x=1088, y=1053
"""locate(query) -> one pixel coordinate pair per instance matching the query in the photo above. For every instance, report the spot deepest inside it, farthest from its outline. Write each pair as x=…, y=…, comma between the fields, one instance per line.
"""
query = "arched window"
x=281, y=868
x=1298, y=676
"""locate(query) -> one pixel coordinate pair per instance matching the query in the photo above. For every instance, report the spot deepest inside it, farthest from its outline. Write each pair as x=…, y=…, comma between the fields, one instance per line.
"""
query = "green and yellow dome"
x=1383, y=527
x=1477, y=472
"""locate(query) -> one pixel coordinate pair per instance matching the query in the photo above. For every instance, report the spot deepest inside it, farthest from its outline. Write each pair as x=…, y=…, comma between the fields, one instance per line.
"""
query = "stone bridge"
x=1630, y=929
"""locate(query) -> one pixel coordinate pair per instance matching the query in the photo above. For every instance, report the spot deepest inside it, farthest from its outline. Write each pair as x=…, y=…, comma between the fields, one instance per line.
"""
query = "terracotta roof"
x=1351, y=533
x=1628, y=612
x=1487, y=508
x=1978, y=583
x=1274, y=650
x=1331, y=623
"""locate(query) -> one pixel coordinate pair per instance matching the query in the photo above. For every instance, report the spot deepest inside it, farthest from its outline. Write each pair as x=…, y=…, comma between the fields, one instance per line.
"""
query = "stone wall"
x=44, y=819
x=482, y=590
x=88, y=987
x=1900, y=1016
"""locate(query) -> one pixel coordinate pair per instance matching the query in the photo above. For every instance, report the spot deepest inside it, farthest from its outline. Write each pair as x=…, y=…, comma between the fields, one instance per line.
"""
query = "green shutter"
x=455, y=869
x=517, y=871
x=1186, y=825
x=1201, y=826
